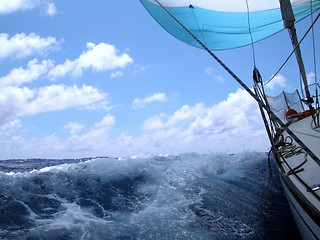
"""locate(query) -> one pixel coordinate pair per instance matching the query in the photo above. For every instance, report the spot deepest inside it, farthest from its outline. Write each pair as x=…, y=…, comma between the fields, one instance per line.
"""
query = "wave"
x=187, y=196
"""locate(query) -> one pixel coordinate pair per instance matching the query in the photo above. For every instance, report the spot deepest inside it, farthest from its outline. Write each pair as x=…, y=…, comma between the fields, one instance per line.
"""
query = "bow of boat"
x=300, y=174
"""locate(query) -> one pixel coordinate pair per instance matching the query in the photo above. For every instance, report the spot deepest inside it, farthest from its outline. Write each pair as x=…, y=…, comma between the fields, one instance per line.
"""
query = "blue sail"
x=223, y=28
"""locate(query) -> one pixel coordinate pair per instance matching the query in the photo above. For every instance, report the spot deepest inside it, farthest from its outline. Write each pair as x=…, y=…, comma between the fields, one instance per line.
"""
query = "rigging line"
x=251, y=38
x=315, y=67
x=293, y=51
x=191, y=7
x=242, y=84
x=313, y=45
x=301, y=88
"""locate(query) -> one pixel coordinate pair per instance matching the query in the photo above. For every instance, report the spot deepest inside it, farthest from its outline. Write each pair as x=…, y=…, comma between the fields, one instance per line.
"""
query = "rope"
x=250, y=32
x=191, y=7
x=315, y=68
x=284, y=149
x=295, y=170
x=288, y=149
x=314, y=48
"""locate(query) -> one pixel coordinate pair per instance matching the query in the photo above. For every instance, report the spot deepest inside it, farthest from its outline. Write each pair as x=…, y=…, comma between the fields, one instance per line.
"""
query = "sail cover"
x=224, y=24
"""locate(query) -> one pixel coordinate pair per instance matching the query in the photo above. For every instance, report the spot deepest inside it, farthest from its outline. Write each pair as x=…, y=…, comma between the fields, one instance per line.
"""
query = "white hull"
x=306, y=225
x=299, y=174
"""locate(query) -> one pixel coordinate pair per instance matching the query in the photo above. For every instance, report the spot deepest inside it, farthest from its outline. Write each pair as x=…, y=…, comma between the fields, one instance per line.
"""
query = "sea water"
x=188, y=196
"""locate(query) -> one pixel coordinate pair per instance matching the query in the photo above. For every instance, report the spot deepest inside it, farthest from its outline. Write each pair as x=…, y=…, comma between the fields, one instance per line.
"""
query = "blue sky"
x=102, y=78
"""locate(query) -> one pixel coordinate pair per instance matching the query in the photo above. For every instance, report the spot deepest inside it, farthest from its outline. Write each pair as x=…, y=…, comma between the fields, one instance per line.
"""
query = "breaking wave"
x=189, y=196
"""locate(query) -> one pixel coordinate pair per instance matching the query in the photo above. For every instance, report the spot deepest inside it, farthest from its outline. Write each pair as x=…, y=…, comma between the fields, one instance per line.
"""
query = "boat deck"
x=301, y=174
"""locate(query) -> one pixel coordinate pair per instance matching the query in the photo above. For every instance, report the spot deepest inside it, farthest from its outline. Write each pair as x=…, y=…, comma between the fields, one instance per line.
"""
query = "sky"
x=102, y=78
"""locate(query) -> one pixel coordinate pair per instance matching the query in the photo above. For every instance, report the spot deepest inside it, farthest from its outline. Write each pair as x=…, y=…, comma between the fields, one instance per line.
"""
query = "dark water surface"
x=190, y=196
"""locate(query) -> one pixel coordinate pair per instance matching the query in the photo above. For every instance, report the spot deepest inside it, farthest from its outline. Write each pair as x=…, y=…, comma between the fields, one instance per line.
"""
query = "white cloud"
x=51, y=145
x=277, y=81
x=156, y=122
x=74, y=127
x=311, y=77
x=231, y=125
x=156, y=97
x=180, y=118
x=51, y=9
x=17, y=102
x=61, y=70
x=12, y=102
x=116, y=74
x=8, y=129
x=101, y=57
x=186, y=113
x=105, y=124
x=59, y=97
x=212, y=72
x=140, y=68
x=95, y=140
x=22, y=45
x=9, y=6
x=20, y=76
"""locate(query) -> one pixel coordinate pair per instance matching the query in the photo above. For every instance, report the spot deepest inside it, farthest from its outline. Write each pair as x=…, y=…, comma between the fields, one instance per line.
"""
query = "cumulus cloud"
x=58, y=97
x=101, y=57
x=50, y=9
x=8, y=129
x=17, y=102
x=95, y=140
x=106, y=123
x=74, y=127
x=9, y=6
x=156, y=97
x=180, y=118
x=231, y=125
x=210, y=127
x=277, y=81
x=22, y=45
x=20, y=76
x=17, y=99
x=12, y=102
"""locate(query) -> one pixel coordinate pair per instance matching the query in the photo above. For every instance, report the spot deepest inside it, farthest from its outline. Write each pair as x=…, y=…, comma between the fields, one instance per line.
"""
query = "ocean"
x=187, y=196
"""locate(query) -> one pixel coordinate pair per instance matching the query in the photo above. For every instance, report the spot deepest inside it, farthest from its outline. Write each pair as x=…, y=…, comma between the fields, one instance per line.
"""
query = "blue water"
x=190, y=196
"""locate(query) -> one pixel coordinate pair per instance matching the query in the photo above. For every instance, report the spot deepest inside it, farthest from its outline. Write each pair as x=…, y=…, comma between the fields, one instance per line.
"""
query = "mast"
x=289, y=19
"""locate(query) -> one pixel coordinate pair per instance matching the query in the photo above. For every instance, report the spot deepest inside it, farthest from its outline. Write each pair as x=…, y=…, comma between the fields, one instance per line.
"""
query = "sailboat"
x=291, y=119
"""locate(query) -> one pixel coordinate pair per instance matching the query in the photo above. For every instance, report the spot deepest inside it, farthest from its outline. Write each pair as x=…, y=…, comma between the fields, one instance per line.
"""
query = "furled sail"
x=225, y=24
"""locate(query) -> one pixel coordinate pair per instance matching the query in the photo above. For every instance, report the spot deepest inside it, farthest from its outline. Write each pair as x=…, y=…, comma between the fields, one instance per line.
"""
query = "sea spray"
x=187, y=196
